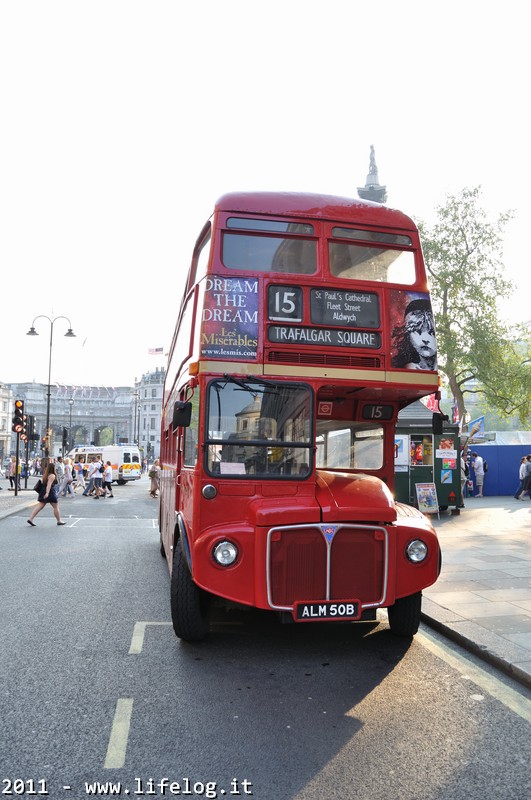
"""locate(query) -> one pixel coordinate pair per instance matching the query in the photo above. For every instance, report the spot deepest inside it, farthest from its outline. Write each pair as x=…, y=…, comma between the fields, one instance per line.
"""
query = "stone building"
x=89, y=414
x=6, y=414
x=147, y=397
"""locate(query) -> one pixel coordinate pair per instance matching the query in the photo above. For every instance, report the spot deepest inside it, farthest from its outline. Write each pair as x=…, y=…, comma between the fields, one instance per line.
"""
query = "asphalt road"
x=95, y=688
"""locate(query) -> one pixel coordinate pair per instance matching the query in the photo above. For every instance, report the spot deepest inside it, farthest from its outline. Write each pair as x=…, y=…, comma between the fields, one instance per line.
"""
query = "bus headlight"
x=417, y=550
x=225, y=554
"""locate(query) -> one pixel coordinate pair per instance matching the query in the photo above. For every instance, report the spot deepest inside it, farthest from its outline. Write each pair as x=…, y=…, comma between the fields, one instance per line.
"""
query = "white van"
x=124, y=458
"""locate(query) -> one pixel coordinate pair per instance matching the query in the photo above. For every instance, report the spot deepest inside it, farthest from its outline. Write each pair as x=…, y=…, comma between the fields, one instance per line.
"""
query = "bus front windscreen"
x=258, y=430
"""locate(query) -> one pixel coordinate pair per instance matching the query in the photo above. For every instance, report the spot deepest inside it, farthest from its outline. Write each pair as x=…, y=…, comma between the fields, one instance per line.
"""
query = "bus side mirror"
x=182, y=414
x=437, y=423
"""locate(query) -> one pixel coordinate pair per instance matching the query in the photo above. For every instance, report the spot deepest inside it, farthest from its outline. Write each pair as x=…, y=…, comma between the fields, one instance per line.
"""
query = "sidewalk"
x=482, y=599
x=9, y=504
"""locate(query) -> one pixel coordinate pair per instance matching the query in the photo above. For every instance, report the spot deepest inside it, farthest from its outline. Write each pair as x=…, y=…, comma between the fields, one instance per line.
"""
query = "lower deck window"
x=357, y=445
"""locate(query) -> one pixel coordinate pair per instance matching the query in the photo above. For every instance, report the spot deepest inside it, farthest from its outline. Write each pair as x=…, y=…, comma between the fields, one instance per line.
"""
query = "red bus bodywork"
x=286, y=373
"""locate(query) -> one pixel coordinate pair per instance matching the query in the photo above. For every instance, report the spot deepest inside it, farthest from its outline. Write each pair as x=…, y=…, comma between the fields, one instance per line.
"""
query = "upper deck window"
x=203, y=256
x=256, y=253
x=366, y=261
x=273, y=225
x=372, y=236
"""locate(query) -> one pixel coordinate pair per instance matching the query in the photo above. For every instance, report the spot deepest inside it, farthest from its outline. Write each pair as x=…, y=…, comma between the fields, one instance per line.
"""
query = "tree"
x=477, y=352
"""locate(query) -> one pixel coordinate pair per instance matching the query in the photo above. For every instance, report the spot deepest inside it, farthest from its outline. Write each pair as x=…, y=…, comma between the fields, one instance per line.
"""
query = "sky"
x=124, y=121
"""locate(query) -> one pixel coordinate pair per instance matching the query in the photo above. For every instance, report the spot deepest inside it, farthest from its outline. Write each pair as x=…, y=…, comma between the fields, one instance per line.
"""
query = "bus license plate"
x=313, y=612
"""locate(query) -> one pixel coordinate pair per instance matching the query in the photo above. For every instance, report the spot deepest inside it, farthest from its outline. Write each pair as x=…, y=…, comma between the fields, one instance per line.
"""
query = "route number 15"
x=373, y=411
x=284, y=303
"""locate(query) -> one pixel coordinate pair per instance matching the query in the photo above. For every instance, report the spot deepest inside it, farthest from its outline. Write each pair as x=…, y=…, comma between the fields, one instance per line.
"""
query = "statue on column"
x=372, y=189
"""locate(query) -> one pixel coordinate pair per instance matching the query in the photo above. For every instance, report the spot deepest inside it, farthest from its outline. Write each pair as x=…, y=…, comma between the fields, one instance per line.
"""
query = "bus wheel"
x=404, y=616
x=189, y=603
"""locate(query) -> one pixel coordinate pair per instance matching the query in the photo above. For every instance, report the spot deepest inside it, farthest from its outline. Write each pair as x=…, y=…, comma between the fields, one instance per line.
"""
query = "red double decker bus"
x=305, y=326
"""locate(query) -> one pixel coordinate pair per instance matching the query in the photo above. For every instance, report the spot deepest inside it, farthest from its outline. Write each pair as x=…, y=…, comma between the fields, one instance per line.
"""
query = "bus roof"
x=318, y=206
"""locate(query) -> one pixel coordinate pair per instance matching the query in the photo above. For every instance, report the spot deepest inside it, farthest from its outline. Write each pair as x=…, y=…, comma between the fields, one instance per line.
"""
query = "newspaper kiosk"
x=424, y=458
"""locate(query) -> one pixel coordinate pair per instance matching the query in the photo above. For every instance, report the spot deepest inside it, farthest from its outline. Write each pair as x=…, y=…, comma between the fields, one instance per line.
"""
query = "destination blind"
x=291, y=334
x=344, y=308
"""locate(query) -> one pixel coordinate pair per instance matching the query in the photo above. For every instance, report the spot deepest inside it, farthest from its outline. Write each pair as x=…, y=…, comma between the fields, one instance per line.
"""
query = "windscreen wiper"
x=247, y=384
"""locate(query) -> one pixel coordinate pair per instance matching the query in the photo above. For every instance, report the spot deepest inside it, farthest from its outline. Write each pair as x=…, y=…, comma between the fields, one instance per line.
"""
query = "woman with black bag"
x=47, y=494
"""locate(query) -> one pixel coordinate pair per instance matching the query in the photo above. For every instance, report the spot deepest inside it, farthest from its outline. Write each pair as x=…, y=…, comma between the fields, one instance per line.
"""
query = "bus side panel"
x=186, y=501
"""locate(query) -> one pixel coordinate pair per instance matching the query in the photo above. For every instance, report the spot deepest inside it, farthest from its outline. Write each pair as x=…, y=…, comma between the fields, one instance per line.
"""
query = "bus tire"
x=189, y=603
x=404, y=616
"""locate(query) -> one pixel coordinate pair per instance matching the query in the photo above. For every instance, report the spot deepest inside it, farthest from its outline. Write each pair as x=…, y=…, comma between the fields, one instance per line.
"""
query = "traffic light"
x=65, y=438
x=18, y=417
x=30, y=424
x=24, y=431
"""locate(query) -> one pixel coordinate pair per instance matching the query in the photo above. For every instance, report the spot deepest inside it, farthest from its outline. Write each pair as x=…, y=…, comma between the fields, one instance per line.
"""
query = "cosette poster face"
x=229, y=323
x=414, y=345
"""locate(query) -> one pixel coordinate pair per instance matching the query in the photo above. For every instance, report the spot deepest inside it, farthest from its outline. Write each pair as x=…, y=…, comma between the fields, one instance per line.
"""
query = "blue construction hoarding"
x=504, y=463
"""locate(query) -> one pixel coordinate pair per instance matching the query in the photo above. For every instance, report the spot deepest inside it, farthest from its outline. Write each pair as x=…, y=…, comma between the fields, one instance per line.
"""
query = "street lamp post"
x=32, y=332
x=71, y=441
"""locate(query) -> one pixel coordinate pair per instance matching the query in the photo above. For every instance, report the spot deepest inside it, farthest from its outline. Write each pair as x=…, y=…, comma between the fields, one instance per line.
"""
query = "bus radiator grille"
x=298, y=566
x=324, y=359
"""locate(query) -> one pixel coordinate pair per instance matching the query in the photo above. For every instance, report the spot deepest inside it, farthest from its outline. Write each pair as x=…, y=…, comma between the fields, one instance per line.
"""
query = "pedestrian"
x=526, y=486
x=464, y=478
x=80, y=477
x=66, y=488
x=98, y=478
x=47, y=495
x=59, y=469
x=477, y=465
x=10, y=473
x=521, y=477
x=90, y=476
x=14, y=473
x=154, y=475
x=107, y=480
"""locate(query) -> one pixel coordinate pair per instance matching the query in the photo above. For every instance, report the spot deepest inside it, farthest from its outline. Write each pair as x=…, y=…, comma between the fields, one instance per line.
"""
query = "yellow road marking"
x=137, y=640
x=496, y=688
x=115, y=758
